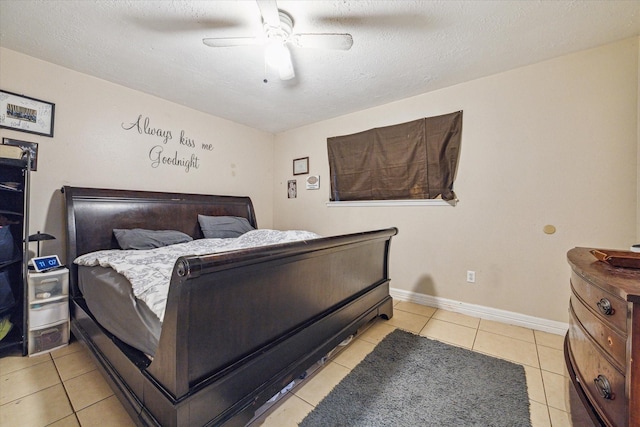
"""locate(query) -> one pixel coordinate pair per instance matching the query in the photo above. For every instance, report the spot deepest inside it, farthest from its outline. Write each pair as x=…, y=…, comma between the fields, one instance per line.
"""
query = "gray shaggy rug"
x=409, y=380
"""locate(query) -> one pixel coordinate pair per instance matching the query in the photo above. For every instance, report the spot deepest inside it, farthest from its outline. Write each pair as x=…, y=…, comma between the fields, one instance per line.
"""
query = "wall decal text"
x=160, y=154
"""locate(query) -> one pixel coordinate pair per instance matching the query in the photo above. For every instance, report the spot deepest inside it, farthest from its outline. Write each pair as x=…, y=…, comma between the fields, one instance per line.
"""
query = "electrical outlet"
x=471, y=276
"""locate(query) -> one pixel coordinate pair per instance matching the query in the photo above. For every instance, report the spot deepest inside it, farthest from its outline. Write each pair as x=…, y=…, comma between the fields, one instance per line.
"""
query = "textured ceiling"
x=400, y=49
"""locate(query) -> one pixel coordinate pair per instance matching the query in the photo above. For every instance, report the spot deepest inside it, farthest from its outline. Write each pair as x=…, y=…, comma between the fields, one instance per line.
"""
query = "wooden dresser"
x=602, y=347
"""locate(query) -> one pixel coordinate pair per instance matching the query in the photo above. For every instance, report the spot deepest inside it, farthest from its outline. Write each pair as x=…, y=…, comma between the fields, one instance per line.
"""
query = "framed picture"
x=301, y=166
x=31, y=147
x=292, y=189
x=19, y=112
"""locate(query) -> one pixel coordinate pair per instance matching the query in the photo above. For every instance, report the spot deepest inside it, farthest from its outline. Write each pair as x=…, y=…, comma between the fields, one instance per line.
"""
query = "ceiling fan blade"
x=324, y=40
x=230, y=41
x=269, y=11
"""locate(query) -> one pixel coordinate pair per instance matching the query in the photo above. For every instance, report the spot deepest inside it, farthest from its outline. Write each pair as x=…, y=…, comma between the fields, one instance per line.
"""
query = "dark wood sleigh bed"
x=238, y=326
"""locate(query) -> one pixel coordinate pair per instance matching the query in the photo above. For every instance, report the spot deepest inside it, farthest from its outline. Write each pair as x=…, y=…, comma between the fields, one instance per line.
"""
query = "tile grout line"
x=64, y=387
x=475, y=337
x=544, y=389
x=29, y=367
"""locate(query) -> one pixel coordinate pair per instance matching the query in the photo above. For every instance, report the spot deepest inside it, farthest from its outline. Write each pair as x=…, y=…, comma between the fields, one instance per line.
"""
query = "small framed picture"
x=19, y=112
x=31, y=147
x=292, y=189
x=301, y=166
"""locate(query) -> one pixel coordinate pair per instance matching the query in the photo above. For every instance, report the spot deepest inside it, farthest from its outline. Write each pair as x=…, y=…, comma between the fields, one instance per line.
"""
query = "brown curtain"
x=414, y=160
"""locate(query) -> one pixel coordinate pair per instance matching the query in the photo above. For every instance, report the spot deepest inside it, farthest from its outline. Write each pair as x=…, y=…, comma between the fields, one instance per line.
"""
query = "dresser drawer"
x=608, y=339
x=593, y=296
x=590, y=365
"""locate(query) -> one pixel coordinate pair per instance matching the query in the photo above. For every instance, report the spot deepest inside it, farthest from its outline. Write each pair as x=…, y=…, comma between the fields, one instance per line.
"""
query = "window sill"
x=394, y=203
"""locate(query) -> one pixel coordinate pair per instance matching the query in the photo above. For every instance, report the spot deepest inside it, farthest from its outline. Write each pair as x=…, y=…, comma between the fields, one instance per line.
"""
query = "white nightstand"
x=48, y=317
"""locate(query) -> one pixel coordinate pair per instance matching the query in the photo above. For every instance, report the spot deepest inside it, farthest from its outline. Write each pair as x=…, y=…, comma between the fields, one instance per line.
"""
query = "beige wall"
x=91, y=148
x=552, y=143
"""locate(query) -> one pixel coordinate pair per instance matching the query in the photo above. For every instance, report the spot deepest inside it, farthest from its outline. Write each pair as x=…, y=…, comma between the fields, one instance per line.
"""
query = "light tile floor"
x=64, y=388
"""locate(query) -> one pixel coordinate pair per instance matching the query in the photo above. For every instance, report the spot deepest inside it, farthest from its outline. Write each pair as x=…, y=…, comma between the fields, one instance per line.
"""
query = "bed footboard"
x=240, y=326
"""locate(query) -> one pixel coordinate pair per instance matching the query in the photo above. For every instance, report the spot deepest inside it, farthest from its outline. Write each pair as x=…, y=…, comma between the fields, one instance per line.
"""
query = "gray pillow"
x=223, y=227
x=138, y=238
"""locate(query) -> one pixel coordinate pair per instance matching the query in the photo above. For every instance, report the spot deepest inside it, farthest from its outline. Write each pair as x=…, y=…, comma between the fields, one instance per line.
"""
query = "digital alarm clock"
x=45, y=263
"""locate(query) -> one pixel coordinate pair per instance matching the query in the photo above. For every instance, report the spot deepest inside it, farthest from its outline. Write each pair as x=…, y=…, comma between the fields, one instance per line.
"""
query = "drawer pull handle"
x=603, y=386
x=605, y=307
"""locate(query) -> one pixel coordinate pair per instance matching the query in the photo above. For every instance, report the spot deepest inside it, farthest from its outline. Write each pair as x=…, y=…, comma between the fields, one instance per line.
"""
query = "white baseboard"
x=503, y=316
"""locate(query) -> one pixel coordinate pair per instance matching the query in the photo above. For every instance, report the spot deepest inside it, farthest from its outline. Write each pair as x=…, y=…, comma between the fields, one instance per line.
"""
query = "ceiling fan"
x=278, y=34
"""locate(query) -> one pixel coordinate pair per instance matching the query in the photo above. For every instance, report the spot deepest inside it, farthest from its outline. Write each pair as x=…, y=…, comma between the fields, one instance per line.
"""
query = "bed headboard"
x=93, y=213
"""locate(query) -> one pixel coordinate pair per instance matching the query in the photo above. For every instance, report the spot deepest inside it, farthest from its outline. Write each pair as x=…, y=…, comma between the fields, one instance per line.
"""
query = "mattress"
x=109, y=296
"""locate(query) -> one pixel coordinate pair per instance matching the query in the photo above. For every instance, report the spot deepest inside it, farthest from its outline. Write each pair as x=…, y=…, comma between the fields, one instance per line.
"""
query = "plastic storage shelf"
x=48, y=296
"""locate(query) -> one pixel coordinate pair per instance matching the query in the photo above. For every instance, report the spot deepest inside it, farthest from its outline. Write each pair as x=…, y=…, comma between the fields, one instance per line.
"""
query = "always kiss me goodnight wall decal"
x=159, y=154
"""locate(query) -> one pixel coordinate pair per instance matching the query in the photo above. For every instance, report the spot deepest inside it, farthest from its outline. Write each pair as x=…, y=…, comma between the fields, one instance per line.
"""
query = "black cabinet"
x=14, y=220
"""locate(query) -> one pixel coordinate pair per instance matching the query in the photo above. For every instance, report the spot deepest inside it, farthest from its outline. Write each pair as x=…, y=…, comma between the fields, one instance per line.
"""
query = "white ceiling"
x=401, y=48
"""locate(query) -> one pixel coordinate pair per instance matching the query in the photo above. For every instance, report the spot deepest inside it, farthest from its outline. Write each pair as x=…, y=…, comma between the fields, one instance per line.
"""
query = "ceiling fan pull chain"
x=265, y=80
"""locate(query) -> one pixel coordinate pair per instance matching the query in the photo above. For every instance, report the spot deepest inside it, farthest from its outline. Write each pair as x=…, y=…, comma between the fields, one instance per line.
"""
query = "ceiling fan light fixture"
x=278, y=57
x=286, y=71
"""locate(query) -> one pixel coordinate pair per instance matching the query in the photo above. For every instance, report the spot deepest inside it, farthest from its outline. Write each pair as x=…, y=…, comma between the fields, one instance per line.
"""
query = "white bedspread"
x=149, y=271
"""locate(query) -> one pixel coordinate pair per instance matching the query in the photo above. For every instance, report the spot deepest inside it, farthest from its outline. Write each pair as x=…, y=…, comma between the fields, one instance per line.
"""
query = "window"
x=414, y=160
